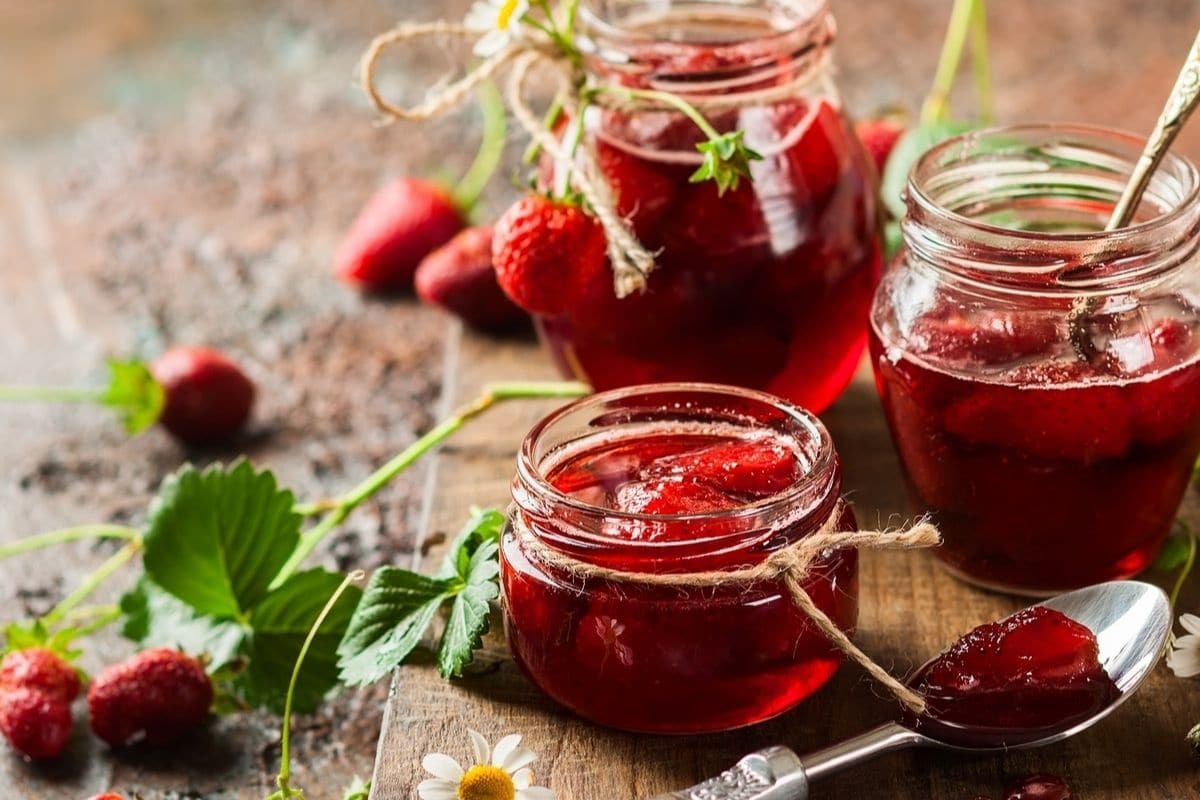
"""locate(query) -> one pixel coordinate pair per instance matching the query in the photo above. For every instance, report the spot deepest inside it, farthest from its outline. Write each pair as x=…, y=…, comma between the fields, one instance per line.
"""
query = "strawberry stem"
x=64, y=535
x=285, y=755
x=491, y=149
x=50, y=394
x=937, y=103
x=981, y=63
x=93, y=582
x=1186, y=569
x=492, y=394
x=667, y=98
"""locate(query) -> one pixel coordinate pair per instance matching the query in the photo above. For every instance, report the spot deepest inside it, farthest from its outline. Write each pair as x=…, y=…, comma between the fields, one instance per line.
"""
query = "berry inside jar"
x=674, y=481
x=765, y=284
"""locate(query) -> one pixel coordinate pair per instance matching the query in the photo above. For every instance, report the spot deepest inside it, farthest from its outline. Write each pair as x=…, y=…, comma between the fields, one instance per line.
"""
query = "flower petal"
x=437, y=789
x=481, y=17
x=505, y=748
x=519, y=758
x=536, y=793
x=480, y=746
x=1190, y=623
x=491, y=43
x=443, y=766
x=523, y=778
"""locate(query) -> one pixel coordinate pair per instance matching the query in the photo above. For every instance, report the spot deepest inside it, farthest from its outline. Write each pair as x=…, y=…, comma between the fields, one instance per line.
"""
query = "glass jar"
x=767, y=286
x=668, y=659
x=1040, y=375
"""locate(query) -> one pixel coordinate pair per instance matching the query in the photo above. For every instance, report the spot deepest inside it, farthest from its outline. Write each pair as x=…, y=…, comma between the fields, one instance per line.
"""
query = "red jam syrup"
x=766, y=286
x=667, y=659
x=1043, y=470
x=1014, y=681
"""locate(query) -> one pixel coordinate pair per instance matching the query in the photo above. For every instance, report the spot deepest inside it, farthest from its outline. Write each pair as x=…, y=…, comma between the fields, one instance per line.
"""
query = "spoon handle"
x=779, y=774
x=1180, y=105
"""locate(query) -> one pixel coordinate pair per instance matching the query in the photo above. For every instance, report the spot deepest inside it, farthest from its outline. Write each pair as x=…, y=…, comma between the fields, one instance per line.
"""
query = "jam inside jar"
x=1041, y=376
x=767, y=285
x=674, y=479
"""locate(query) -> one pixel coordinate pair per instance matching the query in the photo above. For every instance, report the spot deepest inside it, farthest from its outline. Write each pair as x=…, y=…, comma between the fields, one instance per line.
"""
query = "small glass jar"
x=767, y=286
x=1040, y=375
x=667, y=659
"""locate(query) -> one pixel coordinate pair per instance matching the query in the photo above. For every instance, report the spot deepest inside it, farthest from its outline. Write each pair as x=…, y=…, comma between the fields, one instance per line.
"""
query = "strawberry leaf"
x=358, y=790
x=910, y=147
x=726, y=161
x=134, y=392
x=476, y=566
x=216, y=539
x=388, y=624
x=156, y=618
x=35, y=634
x=280, y=624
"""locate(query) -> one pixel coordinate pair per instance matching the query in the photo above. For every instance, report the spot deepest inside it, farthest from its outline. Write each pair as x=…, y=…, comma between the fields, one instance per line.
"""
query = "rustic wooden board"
x=910, y=610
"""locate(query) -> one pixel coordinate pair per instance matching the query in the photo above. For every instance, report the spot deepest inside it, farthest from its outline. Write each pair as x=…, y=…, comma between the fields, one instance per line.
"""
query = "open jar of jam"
x=674, y=479
x=1041, y=376
x=767, y=285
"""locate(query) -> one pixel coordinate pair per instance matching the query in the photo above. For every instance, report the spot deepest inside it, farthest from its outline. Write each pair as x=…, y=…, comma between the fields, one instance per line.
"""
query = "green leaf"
x=389, y=623
x=358, y=790
x=910, y=147
x=1174, y=553
x=893, y=238
x=280, y=624
x=135, y=393
x=35, y=634
x=217, y=539
x=726, y=161
x=480, y=585
x=156, y=618
x=485, y=525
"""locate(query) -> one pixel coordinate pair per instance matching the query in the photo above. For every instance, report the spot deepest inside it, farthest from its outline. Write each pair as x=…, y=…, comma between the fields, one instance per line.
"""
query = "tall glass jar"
x=767, y=286
x=1040, y=375
x=673, y=659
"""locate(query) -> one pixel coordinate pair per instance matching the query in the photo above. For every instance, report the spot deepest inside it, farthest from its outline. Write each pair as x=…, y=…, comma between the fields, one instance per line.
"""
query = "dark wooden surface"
x=181, y=172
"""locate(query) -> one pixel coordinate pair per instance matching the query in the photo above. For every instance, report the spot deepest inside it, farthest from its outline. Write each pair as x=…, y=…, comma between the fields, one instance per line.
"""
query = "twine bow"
x=791, y=565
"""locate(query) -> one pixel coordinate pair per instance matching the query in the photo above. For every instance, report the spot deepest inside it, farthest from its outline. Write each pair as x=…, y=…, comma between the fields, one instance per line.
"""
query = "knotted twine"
x=631, y=262
x=791, y=565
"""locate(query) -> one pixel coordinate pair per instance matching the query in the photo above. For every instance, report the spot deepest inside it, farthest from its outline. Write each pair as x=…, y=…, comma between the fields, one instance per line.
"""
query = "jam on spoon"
x=1014, y=680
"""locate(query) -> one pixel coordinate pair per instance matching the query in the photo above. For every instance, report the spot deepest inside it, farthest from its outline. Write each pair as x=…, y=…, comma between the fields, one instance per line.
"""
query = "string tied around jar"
x=790, y=565
x=541, y=43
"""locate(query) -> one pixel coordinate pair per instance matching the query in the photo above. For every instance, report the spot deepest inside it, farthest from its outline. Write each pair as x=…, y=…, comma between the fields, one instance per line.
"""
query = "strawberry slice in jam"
x=1014, y=680
x=752, y=468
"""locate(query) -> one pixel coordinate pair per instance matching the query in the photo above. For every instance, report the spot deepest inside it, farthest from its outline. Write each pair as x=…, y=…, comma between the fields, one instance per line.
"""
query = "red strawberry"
x=879, y=137
x=209, y=398
x=36, y=724
x=159, y=694
x=539, y=244
x=401, y=224
x=41, y=670
x=107, y=796
x=673, y=495
x=747, y=467
x=459, y=277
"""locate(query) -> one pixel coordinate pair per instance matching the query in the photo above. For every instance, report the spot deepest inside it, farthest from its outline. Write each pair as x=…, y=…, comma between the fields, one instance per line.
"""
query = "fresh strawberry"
x=459, y=277
x=35, y=723
x=401, y=224
x=879, y=137
x=107, y=796
x=209, y=398
x=41, y=670
x=159, y=694
x=539, y=244
x=756, y=468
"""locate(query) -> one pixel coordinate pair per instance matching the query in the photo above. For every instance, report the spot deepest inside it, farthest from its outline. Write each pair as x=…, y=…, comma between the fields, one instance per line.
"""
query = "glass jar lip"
x=823, y=460
x=930, y=161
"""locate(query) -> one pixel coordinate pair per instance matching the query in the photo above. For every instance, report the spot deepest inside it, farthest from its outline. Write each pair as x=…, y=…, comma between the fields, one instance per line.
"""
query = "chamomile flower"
x=498, y=20
x=498, y=774
x=1184, y=658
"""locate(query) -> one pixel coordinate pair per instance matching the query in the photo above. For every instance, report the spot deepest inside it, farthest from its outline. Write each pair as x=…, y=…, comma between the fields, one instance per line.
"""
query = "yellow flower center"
x=505, y=17
x=485, y=782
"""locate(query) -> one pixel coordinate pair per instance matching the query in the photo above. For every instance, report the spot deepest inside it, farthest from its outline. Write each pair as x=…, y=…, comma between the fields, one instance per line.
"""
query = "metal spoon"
x=1131, y=621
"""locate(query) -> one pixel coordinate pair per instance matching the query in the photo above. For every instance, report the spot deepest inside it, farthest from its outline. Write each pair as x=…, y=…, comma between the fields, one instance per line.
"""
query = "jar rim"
x=932, y=160
x=529, y=473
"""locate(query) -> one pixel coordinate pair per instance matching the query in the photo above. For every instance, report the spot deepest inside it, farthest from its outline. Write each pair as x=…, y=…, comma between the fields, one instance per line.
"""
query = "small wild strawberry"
x=208, y=397
x=41, y=670
x=539, y=245
x=459, y=277
x=158, y=695
x=35, y=723
x=401, y=224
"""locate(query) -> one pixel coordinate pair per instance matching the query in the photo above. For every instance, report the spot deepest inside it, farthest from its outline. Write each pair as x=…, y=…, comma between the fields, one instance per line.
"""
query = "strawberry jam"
x=1041, y=377
x=1014, y=681
x=673, y=479
x=767, y=285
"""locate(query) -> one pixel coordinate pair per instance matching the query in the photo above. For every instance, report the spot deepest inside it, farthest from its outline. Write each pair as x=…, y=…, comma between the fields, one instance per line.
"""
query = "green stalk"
x=491, y=148
x=937, y=104
x=93, y=582
x=981, y=63
x=285, y=753
x=1186, y=570
x=51, y=394
x=492, y=394
x=65, y=535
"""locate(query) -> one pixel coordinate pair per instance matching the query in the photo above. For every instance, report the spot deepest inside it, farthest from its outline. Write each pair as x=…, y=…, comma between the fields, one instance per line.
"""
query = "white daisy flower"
x=498, y=20
x=499, y=774
x=1184, y=658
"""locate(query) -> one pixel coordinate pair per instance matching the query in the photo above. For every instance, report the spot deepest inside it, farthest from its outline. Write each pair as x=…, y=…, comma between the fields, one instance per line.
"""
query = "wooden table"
x=181, y=172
